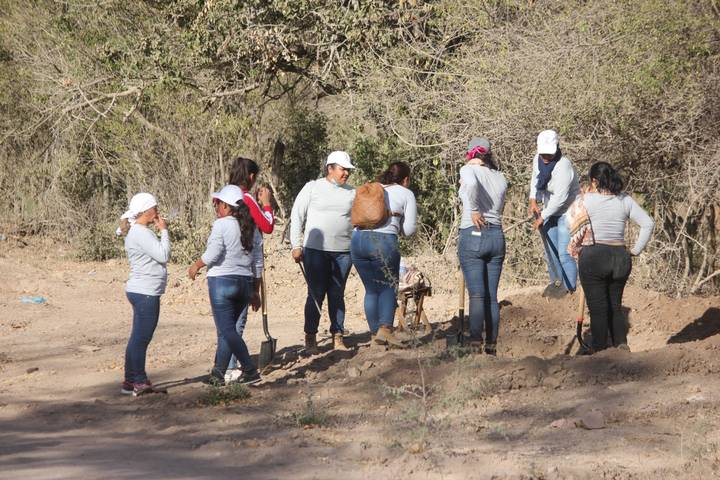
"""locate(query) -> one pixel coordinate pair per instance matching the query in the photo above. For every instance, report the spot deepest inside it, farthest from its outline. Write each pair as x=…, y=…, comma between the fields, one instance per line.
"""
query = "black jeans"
x=604, y=271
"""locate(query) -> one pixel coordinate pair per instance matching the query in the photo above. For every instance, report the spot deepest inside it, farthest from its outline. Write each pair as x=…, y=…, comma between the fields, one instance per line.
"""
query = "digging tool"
x=557, y=288
x=459, y=337
x=267, y=347
x=514, y=226
x=581, y=320
x=317, y=304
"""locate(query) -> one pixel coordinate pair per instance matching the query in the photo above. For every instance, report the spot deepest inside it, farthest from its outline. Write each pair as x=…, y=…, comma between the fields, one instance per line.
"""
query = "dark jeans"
x=239, y=328
x=229, y=295
x=327, y=274
x=146, y=311
x=558, y=235
x=377, y=260
x=481, y=254
x=604, y=271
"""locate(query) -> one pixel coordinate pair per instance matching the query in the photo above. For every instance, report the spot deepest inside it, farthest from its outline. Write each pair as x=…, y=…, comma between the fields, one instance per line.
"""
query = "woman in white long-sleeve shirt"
x=481, y=248
x=598, y=219
x=554, y=183
x=235, y=263
x=148, y=257
x=376, y=255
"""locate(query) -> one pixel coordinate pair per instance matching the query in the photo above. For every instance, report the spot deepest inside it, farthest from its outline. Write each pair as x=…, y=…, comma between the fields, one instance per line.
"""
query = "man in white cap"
x=555, y=185
x=320, y=232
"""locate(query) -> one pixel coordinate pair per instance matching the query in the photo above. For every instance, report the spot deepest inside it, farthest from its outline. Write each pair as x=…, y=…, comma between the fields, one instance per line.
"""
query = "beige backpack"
x=369, y=209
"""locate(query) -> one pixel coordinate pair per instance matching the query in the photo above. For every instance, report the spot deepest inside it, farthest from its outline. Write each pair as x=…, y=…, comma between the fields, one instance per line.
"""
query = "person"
x=235, y=262
x=320, y=237
x=376, y=255
x=598, y=219
x=148, y=257
x=481, y=248
x=243, y=173
x=555, y=184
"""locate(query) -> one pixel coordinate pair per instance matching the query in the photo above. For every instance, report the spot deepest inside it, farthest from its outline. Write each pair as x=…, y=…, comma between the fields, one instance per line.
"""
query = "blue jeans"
x=229, y=295
x=558, y=235
x=239, y=328
x=377, y=259
x=146, y=311
x=327, y=274
x=481, y=253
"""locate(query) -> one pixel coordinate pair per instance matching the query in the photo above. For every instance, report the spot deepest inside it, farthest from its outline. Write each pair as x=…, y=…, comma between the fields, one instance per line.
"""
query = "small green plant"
x=224, y=395
x=309, y=416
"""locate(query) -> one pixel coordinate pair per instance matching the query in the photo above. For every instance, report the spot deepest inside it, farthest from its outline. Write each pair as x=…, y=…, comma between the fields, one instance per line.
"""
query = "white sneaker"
x=232, y=375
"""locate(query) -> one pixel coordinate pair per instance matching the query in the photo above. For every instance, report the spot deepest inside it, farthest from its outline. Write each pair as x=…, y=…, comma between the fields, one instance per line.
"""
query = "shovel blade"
x=555, y=291
x=267, y=352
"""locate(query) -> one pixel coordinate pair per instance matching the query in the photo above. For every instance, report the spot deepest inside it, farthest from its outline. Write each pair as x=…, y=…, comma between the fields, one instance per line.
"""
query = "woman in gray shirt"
x=148, y=258
x=597, y=220
x=481, y=248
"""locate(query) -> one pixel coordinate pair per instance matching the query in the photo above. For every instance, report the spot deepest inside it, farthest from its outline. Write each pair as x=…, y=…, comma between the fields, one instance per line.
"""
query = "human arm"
x=470, y=187
x=158, y=250
x=409, y=218
x=298, y=216
x=563, y=176
x=533, y=209
x=640, y=217
x=262, y=216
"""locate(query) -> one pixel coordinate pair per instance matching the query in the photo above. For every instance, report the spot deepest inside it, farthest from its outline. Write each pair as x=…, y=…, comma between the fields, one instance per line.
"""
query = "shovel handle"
x=263, y=294
x=581, y=305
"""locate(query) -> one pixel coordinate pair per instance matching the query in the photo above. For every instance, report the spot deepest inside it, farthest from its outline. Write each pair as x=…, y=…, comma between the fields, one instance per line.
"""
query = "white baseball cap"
x=340, y=158
x=230, y=194
x=547, y=142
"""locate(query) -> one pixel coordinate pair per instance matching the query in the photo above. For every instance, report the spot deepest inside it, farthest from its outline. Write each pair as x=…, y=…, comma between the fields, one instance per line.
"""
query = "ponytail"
x=395, y=173
x=247, y=225
x=240, y=172
x=607, y=178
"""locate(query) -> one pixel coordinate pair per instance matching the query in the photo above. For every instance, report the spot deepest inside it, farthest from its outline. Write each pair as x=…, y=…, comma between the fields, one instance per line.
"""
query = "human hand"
x=193, y=271
x=160, y=223
x=264, y=196
x=297, y=255
x=255, y=301
x=477, y=219
x=533, y=209
x=537, y=225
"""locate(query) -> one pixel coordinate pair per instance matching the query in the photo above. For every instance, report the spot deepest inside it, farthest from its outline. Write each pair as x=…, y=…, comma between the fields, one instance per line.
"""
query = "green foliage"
x=310, y=415
x=224, y=395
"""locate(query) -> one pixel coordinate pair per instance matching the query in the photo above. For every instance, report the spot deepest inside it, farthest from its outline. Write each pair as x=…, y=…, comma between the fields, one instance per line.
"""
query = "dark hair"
x=247, y=224
x=488, y=159
x=241, y=170
x=395, y=173
x=607, y=177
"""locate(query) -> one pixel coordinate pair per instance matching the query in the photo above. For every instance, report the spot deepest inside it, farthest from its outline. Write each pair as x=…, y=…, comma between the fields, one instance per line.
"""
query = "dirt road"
x=532, y=412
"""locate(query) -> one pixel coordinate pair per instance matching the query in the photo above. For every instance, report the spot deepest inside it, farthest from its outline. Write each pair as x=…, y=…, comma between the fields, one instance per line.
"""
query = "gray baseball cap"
x=479, y=142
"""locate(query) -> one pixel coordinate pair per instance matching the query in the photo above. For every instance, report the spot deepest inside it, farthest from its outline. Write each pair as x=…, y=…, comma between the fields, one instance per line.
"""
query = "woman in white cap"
x=234, y=260
x=481, y=248
x=148, y=257
x=554, y=183
x=320, y=232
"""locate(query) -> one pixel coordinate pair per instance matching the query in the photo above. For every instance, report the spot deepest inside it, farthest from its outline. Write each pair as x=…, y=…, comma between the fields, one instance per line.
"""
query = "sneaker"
x=127, y=388
x=141, y=388
x=248, y=378
x=232, y=375
x=475, y=345
x=623, y=346
x=491, y=349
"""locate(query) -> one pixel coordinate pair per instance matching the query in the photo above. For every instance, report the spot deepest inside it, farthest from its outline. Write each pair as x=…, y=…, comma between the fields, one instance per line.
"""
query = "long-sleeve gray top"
x=608, y=214
x=482, y=190
x=561, y=191
x=148, y=257
x=401, y=202
x=225, y=255
x=320, y=216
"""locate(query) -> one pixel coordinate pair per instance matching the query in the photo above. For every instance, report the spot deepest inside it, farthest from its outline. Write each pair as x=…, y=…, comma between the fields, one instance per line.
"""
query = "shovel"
x=459, y=338
x=580, y=321
x=267, y=347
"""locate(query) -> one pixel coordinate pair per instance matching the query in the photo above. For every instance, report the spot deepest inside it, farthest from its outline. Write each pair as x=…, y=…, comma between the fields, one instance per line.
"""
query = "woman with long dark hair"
x=481, y=248
x=597, y=221
x=376, y=254
x=235, y=263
